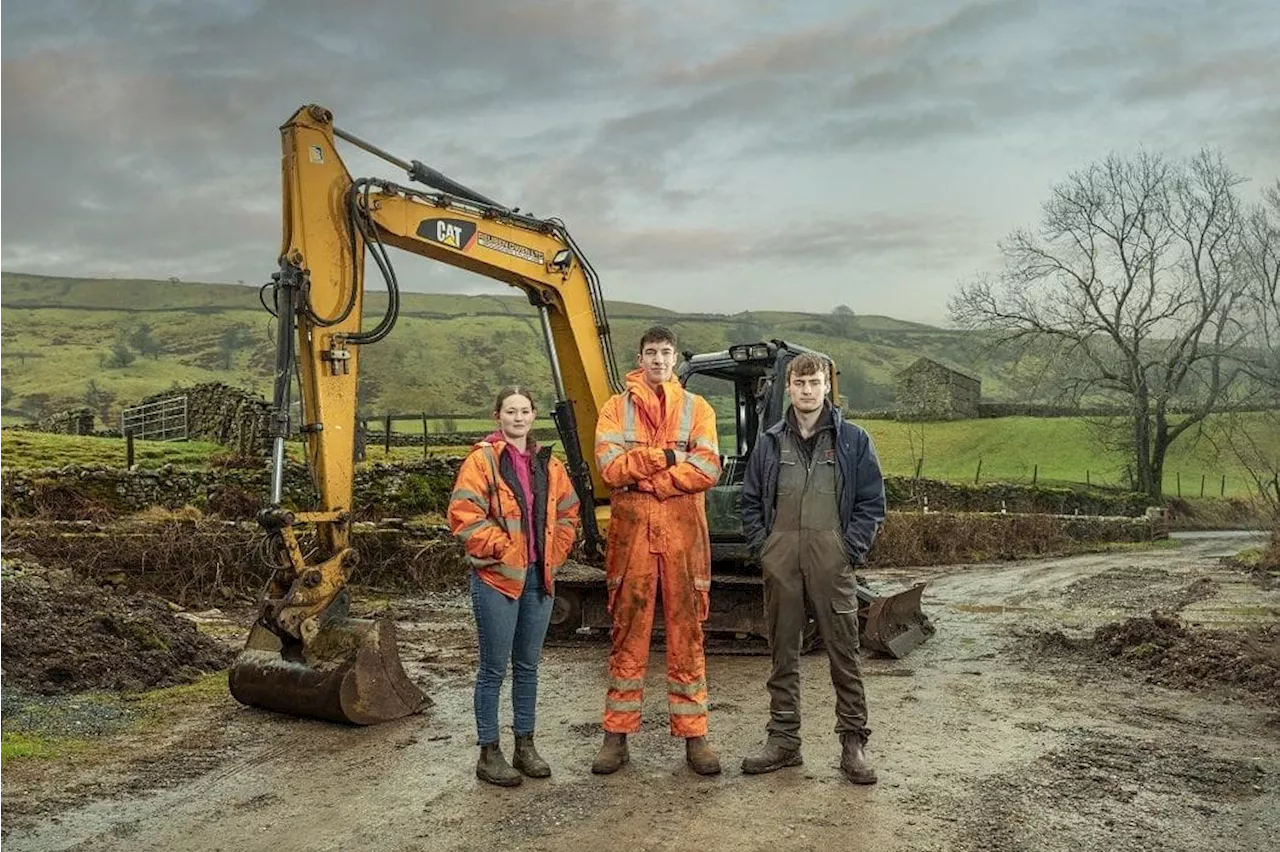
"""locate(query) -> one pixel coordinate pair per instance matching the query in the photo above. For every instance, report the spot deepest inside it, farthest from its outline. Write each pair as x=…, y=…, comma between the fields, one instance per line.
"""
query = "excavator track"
x=891, y=625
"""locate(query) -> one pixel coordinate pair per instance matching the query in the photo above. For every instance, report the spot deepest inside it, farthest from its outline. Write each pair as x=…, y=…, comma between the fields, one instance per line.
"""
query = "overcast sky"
x=707, y=156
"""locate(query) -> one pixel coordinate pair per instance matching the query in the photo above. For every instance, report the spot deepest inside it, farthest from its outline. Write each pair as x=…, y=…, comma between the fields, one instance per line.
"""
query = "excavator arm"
x=305, y=656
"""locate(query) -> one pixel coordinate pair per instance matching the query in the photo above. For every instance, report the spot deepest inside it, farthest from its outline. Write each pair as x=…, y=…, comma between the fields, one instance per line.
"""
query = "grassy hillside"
x=133, y=338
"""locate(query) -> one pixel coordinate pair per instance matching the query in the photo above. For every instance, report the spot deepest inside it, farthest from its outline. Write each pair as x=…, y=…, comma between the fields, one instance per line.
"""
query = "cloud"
x=141, y=137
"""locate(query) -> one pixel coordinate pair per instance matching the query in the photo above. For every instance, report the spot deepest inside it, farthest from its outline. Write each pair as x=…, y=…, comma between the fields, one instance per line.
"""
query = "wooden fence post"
x=1179, y=479
x=979, y=471
x=425, y=451
x=128, y=449
x=1035, y=474
x=386, y=436
x=1087, y=480
x=1202, y=485
x=1223, y=491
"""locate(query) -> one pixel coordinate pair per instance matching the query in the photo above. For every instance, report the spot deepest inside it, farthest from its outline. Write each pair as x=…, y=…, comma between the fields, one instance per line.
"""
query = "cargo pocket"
x=844, y=617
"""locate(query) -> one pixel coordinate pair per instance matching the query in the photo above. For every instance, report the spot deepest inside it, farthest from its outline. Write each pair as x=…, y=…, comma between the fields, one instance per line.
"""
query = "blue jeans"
x=508, y=630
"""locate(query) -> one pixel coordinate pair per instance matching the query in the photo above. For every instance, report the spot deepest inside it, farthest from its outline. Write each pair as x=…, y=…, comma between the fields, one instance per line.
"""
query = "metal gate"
x=162, y=420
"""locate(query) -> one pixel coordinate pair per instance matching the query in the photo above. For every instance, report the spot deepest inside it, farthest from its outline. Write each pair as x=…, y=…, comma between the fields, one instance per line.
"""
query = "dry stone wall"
x=407, y=489
x=75, y=421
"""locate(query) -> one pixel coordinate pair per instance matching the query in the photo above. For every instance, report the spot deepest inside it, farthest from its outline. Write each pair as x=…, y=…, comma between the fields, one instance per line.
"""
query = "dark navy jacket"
x=862, y=503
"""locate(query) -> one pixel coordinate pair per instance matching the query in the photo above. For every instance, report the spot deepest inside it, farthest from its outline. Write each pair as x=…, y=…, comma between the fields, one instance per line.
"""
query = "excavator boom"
x=305, y=655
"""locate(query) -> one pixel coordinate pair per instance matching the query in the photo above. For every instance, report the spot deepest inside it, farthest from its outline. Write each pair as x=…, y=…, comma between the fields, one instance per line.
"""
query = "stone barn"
x=931, y=390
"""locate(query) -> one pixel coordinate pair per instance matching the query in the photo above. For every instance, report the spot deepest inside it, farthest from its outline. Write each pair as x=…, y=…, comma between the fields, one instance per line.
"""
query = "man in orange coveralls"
x=656, y=448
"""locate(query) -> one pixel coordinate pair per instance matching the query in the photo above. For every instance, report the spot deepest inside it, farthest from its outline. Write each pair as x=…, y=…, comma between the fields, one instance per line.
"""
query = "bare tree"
x=1133, y=280
x=1261, y=258
x=1248, y=435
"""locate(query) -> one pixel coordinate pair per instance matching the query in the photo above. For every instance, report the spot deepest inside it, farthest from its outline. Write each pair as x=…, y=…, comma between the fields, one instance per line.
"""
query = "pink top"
x=523, y=463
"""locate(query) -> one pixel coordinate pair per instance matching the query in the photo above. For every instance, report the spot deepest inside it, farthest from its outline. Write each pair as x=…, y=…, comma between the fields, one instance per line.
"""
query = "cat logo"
x=455, y=233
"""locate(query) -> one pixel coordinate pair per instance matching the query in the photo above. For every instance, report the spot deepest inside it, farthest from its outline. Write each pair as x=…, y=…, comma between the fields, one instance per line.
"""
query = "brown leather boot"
x=612, y=754
x=853, y=760
x=773, y=758
x=493, y=767
x=527, y=760
x=701, y=756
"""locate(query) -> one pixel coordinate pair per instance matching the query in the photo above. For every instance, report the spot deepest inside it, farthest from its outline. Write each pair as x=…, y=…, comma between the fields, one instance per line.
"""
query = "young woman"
x=516, y=514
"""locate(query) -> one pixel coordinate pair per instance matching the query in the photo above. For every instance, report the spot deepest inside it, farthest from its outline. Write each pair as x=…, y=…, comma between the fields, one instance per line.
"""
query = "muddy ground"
x=1012, y=729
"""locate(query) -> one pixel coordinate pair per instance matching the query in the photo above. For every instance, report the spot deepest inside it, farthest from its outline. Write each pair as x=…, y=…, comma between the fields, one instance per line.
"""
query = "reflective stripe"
x=565, y=522
x=711, y=470
x=626, y=684
x=695, y=709
x=471, y=496
x=509, y=572
x=689, y=689
x=486, y=562
x=707, y=444
x=568, y=501
x=473, y=528
x=610, y=438
x=492, y=458
x=609, y=457
x=686, y=423
x=513, y=525
x=629, y=421
x=701, y=584
x=624, y=706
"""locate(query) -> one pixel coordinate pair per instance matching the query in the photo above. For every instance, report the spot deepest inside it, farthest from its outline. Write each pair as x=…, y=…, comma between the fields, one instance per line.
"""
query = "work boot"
x=701, y=756
x=493, y=767
x=612, y=754
x=853, y=760
x=774, y=757
x=527, y=760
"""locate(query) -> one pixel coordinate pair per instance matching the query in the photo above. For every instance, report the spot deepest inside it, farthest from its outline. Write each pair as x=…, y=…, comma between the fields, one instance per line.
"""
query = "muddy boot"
x=612, y=754
x=773, y=757
x=527, y=760
x=853, y=760
x=493, y=767
x=701, y=756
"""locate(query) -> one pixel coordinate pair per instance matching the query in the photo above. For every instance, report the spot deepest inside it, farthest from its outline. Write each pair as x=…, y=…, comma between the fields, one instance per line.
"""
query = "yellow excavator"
x=305, y=655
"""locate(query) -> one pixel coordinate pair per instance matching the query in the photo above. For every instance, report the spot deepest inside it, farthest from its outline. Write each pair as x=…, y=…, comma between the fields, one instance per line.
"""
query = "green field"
x=1010, y=449
x=1064, y=449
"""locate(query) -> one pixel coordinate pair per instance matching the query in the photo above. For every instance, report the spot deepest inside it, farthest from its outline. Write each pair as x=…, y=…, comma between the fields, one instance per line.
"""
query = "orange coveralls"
x=657, y=543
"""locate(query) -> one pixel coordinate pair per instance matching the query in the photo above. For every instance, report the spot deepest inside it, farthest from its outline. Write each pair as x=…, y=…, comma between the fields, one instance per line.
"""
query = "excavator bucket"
x=894, y=625
x=350, y=672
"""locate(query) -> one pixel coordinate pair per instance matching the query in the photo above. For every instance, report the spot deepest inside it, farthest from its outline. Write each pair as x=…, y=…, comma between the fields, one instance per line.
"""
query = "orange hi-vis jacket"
x=658, y=545
x=655, y=502
x=485, y=514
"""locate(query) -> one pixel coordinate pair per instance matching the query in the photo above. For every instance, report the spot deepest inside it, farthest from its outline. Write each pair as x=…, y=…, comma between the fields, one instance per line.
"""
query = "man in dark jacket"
x=812, y=503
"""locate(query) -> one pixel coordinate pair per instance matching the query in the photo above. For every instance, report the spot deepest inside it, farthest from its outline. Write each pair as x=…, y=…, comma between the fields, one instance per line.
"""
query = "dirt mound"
x=63, y=634
x=1170, y=654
